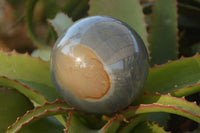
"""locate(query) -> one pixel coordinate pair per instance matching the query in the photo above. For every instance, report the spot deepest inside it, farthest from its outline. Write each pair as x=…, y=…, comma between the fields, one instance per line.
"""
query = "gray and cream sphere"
x=99, y=65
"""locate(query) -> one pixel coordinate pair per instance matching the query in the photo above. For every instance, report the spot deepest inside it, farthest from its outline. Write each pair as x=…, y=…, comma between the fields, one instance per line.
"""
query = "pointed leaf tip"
x=61, y=22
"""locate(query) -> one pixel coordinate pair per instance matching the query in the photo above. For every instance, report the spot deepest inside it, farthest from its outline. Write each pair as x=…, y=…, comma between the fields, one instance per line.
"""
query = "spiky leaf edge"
x=151, y=108
x=47, y=109
x=24, y=89
x=163, y=35
x=133, y=123
x=148, y=126
x=168, y=71
x=17, y=66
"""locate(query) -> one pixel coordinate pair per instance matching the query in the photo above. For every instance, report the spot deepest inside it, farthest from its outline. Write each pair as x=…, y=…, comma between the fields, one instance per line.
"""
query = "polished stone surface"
x=99, y=65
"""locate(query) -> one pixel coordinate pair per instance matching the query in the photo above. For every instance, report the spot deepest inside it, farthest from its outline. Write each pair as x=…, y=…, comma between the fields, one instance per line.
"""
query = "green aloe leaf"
x=161, y=118
x=129, y=11
x=175, y=75
x=150, y=103
x=45, y=125
x=60, y=23
x=149, y=127
x=48, y=109
x=27, y=91
x=13, y=104
x=111, y=126
x=189, y=90
x=163, y=35
x=133, y=123
x=29, y=71
x=75, y=125
x=151, y=108
x=181, y=103
x=29, y=13
x=44, y=54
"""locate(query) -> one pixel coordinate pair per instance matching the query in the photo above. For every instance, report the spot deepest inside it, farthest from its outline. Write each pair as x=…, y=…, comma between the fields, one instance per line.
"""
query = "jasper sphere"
x=99, y=65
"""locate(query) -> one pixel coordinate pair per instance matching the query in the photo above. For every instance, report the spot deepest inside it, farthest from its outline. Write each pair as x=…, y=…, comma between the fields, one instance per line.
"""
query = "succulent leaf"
x=133, y=123
x=27, y=91
x=189, y=90
x=151, y=108
x=48, y=109
x=111, y=126
x=148, y=127
x=29, y=71
x=167, y=100
x=75, y=125
x=44, y=54
x=13, y=104
x=161, y=118
x=60, y=23
x=174, y=75
x=45, y=125
x=30, y=5
x=163, y=36
x=129, y=11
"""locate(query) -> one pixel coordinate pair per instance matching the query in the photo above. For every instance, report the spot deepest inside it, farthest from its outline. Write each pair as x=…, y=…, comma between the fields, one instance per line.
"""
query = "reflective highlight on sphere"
x=99, y=65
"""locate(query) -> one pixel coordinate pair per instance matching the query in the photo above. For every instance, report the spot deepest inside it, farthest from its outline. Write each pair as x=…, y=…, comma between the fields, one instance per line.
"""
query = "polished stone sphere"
x=99, y=65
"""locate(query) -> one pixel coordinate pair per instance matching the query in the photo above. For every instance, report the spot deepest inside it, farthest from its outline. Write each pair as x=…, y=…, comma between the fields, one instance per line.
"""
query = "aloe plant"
x=30, y=103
